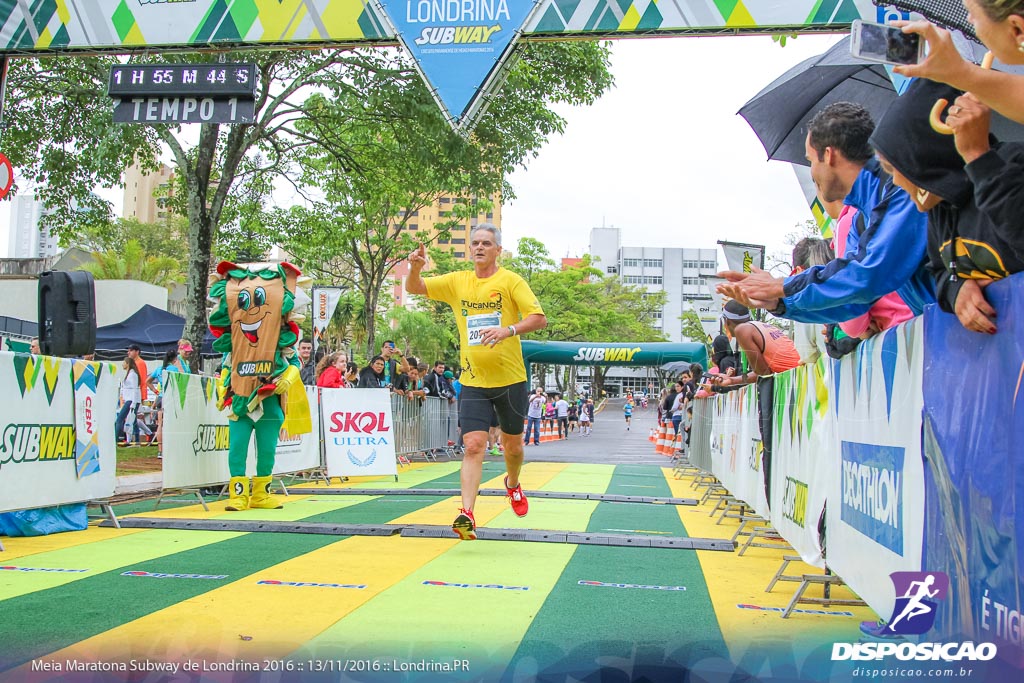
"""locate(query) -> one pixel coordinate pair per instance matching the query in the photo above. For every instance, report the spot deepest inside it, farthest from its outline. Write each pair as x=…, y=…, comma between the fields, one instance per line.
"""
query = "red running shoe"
x=517, y=498
x=464, y=525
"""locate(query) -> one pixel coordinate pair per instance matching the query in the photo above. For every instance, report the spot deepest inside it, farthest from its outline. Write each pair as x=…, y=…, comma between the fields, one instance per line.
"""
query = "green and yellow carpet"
x=163, y=604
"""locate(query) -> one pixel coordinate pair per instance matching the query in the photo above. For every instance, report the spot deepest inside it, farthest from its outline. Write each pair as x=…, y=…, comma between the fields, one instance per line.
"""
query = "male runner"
x=492, y=307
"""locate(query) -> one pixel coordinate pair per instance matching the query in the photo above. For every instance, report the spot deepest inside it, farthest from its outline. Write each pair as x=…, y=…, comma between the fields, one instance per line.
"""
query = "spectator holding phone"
x=999, y=24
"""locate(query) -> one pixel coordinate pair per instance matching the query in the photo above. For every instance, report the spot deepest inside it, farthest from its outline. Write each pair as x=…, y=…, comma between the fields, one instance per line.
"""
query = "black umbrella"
x=779, y=114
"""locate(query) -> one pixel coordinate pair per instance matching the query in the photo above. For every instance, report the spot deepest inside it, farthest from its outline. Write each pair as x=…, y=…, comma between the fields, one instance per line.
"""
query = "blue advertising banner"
x=973, y=441
x=460, y=47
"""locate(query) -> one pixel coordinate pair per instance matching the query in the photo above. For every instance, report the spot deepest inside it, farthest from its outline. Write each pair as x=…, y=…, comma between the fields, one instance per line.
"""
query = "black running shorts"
x=479, y=405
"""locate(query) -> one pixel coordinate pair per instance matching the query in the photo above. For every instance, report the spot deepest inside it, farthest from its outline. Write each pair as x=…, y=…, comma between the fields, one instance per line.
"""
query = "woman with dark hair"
x=372, y=376
x=131, y=397
x=351, y=374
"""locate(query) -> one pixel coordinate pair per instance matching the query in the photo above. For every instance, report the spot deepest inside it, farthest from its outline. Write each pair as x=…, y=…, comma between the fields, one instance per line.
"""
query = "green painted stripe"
x=109, y=600
x=652, y=632
x=483, y=625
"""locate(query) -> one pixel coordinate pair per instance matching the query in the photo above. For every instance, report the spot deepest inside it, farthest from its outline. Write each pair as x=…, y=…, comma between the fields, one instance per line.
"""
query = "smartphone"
x=886, y=44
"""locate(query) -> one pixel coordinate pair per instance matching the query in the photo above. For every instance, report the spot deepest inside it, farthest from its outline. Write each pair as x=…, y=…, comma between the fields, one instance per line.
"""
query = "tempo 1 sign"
x=184, y=110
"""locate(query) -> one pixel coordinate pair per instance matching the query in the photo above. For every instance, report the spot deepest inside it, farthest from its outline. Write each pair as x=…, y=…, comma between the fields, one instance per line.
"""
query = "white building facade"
x=679, y=272
x=25, y=239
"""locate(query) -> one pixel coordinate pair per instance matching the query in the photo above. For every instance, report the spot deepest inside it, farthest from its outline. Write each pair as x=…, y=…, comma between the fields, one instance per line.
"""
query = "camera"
x=885, y=44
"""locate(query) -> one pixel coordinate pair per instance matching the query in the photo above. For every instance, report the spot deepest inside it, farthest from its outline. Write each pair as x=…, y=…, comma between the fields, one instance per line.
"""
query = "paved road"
x=609, y=443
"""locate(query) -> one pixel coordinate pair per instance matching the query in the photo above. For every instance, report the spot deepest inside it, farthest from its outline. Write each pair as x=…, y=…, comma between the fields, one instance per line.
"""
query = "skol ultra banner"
x=803, y=449
x=38, y=448
x=736, y=447
x=876, y=503
x=974, y=441
x=359, y=433
x=196, y=437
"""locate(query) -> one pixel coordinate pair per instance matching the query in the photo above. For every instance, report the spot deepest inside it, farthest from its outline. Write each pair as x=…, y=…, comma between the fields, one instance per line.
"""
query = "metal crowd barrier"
x=424, y=428
x=699, y=453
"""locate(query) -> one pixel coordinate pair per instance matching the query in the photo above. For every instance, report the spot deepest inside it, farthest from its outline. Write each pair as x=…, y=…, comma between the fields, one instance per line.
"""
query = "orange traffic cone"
x=651, y=435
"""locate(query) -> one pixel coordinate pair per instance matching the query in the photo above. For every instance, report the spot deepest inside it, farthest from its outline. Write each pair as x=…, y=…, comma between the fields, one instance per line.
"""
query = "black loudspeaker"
x=67, y=313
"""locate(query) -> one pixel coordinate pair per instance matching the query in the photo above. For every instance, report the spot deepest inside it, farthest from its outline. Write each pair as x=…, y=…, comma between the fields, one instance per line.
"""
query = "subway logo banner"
x=39, y=449
x=196, y=436
x=875, y=503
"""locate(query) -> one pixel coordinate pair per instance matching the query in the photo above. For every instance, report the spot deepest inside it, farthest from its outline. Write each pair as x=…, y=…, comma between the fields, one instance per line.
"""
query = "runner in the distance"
x=492, y=307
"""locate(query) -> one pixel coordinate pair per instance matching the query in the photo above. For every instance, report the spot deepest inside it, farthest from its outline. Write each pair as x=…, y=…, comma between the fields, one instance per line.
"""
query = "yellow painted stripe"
x=734, y=580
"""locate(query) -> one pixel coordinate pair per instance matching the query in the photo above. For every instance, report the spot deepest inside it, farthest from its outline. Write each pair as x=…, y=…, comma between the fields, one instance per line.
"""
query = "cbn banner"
x=802, y=469
x=196, y=437
x=359, y=435
x=974, y=431
x=876, y=504
x=736, y=447
x=39, y=466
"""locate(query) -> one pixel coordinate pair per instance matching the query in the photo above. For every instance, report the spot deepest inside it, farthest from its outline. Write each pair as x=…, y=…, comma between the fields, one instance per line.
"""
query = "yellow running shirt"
x=500, y=300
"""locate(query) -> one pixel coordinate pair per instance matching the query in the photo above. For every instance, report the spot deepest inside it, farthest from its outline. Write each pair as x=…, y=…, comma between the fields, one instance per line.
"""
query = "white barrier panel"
x=195, y=434
x=298, y=453
x=876, y=504
x=359, y=435
x=736, y=447
x=196, y=437
x=803, y=463
x=38, y=446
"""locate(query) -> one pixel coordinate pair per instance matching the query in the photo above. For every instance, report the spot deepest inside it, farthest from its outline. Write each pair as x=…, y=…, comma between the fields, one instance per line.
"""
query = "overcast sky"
x=662, y=155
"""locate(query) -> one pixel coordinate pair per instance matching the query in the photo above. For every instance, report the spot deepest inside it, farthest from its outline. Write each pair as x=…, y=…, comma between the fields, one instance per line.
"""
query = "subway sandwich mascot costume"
x=259, y=386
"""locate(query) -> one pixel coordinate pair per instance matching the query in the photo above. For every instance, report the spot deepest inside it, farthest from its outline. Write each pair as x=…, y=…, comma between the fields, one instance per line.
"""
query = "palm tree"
x=134, y=264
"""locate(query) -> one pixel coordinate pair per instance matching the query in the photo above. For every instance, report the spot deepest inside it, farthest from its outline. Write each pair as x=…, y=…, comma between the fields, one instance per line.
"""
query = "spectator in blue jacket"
x=885, y=253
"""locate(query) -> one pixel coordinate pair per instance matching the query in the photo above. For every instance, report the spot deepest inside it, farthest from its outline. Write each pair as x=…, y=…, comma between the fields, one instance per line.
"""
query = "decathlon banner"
x=876, y=503
x=359, y=434
x=38, y=464
x=736, y=447
x=802, y=449
x=974, y=440
x=196, y=437
x=741, y=257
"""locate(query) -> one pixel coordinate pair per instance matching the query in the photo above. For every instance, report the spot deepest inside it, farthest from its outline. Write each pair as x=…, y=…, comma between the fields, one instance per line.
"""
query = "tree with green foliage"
x=694, y=330
x=132, y=263
x=155, y=239
x=60, y=135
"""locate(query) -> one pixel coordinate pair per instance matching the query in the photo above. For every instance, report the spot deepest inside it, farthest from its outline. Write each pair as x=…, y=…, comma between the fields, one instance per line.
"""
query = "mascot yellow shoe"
x=238, y=490
x=261, y=498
